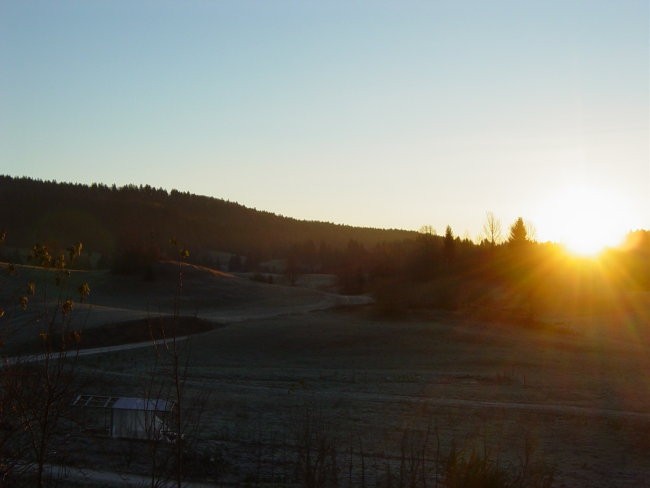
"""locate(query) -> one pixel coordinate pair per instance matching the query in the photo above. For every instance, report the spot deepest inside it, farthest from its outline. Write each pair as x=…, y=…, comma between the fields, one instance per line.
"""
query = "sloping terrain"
x=177, y=289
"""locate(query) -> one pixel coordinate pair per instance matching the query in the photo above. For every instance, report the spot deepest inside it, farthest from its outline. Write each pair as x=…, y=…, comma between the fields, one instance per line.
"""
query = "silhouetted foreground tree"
x=35, y=392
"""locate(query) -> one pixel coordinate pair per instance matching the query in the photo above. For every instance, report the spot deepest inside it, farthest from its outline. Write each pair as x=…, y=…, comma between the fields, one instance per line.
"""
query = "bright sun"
x=585, y=219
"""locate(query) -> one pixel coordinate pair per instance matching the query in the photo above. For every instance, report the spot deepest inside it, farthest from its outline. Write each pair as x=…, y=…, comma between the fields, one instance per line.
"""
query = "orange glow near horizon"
x=585, y=220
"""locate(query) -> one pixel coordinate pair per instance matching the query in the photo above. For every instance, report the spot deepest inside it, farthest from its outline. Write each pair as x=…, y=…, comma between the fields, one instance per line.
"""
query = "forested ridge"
x=109, y=219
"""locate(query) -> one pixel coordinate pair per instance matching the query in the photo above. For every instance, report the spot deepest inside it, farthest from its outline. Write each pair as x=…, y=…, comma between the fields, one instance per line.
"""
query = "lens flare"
x=586, y=220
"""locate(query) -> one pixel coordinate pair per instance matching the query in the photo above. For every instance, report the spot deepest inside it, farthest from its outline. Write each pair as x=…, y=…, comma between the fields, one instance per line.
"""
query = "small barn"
x=125, y=417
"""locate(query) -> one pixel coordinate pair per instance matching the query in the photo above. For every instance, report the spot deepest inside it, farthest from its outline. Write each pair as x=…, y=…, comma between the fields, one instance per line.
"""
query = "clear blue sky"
x=387, y=114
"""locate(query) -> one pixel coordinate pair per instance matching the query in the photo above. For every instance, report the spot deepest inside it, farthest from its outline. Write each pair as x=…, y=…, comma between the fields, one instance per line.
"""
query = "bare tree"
x=40, y=398
x=427, y=230
x=531, y=231
x=168, y=381
x=492, y=229
x=37, y=390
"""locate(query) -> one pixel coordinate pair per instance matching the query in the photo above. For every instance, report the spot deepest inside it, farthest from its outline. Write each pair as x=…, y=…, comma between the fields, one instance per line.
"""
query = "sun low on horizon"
x=585, y=219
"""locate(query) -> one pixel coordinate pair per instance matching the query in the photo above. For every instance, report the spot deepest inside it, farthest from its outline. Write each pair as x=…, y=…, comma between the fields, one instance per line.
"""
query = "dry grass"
x=581, y=395
x=577, y=385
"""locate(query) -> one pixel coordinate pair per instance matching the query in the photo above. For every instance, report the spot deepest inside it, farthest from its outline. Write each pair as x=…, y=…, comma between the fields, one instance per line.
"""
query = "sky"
x=383, y=114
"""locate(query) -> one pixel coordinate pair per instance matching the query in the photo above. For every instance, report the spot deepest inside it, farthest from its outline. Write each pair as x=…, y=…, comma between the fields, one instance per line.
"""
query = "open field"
x=193, y=291
x=577, y=389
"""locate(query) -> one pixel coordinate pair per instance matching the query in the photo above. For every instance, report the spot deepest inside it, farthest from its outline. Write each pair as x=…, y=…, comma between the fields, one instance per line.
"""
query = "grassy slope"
x=194, y=291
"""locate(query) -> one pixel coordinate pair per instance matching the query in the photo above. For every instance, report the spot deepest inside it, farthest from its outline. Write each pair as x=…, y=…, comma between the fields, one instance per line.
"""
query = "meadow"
x=286, y=370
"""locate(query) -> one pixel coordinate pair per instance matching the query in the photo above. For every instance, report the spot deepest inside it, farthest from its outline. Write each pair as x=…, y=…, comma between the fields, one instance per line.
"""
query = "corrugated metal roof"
x=123, y=403
x=149, y=404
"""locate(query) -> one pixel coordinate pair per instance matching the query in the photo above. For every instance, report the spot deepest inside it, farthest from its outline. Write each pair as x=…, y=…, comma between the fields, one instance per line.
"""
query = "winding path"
x=223, y=317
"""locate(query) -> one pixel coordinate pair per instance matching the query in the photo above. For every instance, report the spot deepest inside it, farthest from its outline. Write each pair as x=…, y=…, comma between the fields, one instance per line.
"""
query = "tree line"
x=131, y=226
x=136, y=222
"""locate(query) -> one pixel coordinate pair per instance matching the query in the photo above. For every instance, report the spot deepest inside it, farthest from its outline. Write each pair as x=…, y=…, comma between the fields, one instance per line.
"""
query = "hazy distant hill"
x=109, y=218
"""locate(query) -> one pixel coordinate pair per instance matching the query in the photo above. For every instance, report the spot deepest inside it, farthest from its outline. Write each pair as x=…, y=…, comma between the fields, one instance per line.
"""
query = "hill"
x=111, y=220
